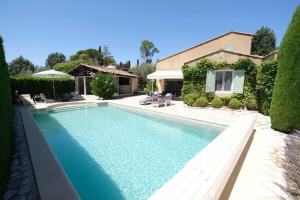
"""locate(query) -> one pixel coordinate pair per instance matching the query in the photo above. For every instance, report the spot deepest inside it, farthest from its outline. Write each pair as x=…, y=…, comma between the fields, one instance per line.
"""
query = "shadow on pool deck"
x=87, y=176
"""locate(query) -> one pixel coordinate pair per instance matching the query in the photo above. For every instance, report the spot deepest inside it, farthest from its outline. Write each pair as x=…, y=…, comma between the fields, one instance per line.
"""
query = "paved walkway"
x=21, y=183
x=260, y=173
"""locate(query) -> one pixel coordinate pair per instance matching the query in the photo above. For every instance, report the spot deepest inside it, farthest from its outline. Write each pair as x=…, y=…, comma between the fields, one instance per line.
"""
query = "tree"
x=21, y=65
x=285, y=105
x=263, y=42
x=148, y=50
x=108, y=59
x=104, y=85
x=143, y=70
x=6, y=120
x=89, y=55
x=54, y=58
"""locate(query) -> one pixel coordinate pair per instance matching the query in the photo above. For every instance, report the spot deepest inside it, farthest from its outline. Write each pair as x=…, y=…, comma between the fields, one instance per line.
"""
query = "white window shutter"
x=238, y=81
x=210, y=81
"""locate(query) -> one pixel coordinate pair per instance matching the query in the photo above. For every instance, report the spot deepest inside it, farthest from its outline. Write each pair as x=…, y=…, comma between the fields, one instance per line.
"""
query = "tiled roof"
x=107, y=70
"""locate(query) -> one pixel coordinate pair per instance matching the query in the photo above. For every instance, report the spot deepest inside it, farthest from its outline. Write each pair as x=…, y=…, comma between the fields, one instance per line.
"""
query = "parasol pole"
x=53, y=87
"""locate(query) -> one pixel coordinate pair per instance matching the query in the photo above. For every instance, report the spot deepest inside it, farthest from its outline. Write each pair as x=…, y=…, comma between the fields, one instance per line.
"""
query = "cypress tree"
x=285, y=106
x=6, y=120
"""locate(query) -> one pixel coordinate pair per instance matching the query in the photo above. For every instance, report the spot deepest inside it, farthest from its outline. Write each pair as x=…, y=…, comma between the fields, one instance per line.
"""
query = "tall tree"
x=285, y=106
x=148, y=50
x=21, y=65
x=108, y=59
x=6, y=121
x=263, y=42
x=54, y=58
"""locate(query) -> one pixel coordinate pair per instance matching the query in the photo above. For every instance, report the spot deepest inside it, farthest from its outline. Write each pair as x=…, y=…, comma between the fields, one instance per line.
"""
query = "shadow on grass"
x=87, y=176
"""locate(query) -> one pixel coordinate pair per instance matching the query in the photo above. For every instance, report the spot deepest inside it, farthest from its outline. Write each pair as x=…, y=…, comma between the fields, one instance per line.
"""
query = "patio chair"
x=149, y=99
x=44, y=98
x=76, y=96
x=166, y=100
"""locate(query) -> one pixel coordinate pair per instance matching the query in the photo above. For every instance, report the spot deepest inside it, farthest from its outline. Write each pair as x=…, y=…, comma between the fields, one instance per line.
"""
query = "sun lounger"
x=166, y=100
x=44, y=98
x=26, y=99
x=149, y=99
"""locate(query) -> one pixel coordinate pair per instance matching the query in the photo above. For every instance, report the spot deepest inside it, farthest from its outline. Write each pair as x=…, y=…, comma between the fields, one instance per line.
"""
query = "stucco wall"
x=226, y=57
x=134, y=84
x=160, y=83
x=241, y=43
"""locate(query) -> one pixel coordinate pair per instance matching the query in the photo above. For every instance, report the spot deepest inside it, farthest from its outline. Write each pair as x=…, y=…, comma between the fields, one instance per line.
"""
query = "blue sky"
x=35, y=28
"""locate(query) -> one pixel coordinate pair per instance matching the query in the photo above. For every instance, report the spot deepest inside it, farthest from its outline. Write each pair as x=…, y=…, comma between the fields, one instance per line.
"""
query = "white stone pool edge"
x=205, y=176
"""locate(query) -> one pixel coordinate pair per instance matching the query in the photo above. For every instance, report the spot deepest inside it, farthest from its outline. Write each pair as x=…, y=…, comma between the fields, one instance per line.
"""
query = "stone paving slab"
x=21, y=183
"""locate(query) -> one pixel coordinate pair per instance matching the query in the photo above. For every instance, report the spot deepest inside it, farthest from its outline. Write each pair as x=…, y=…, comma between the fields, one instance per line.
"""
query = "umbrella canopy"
x=51, y=74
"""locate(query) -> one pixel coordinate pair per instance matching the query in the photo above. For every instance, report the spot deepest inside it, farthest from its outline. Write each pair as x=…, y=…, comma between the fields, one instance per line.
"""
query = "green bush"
x=150, y=86
x=104, y=85
x=34, y=85
x=210, y=96
x=226, y=100
x=285, y=106
x=217, y=102
x=250, y=102
x=6, y=121
x=187, y=88
x=201, y=102
x=264, y=85
x=188, y=99
x=234, y=104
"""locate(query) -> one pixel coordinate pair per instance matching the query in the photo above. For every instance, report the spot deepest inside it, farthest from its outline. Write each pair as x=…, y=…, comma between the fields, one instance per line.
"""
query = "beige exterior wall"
x=160, y=83
x=228, y=57
x=240, y=43
x=134, y=84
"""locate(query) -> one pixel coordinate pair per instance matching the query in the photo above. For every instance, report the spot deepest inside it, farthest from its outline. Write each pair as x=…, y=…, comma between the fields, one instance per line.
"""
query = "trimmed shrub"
x=201, y=102
x=234, y=104
x=104, y=85
x=264, y=85
x=210, y=96
x=250, y=102
x=285, y=106
x=226, y=100
x=35, y=85
x=6, y=121
x=217, y=102
x=188, y=99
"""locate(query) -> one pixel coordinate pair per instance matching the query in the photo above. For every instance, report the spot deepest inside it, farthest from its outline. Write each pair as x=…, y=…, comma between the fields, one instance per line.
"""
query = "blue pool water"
x=113, y=153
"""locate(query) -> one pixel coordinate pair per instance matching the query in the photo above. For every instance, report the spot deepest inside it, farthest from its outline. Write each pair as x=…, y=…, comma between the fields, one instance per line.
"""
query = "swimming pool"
x=113, y=153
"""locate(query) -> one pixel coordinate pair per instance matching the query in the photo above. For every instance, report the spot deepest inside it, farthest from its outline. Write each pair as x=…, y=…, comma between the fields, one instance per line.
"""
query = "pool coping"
x=206, y=174
x=52, y=181
x=196, y=180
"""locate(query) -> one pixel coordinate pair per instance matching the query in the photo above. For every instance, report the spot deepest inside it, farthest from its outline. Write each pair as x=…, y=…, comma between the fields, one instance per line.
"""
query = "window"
x=223, y=81
x=123, y=81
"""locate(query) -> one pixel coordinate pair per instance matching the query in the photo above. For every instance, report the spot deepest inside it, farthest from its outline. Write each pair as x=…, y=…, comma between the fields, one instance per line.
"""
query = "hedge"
x=6, y=121
x=265, y=84
x=285, y=106
x=34, y=85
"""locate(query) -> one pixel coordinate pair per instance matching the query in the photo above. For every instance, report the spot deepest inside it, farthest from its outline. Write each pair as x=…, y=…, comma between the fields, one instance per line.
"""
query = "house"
x=228, y=47
x=127, y=83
